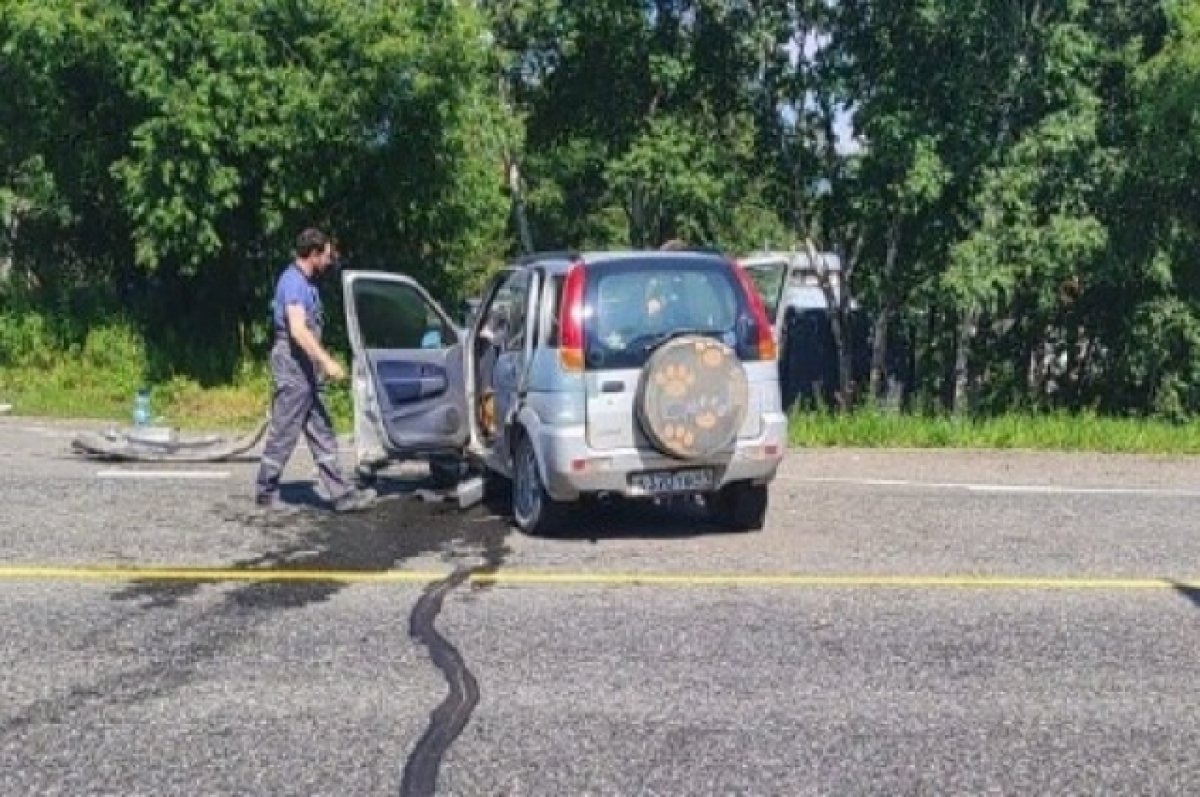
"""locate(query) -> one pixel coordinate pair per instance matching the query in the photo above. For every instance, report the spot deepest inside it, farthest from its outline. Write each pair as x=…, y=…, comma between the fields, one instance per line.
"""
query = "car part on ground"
x=166, y=445
x=466, y=493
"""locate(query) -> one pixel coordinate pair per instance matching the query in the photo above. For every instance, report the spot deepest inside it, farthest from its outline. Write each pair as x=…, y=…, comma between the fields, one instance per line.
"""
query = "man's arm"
x=298, y=328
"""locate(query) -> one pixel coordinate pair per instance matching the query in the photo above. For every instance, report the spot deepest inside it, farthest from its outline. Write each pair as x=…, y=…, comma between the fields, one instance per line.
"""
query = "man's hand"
x=335, y=371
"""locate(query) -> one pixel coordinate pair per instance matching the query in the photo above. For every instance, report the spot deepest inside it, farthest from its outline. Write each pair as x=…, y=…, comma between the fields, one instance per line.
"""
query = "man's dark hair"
x=310, y=242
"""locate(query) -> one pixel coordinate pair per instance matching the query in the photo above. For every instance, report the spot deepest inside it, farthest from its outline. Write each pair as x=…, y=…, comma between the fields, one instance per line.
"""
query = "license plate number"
x=673, y=481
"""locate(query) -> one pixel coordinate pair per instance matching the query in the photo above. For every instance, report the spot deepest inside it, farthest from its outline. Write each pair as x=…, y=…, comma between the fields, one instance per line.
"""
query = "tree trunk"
x=516, y=190
x=837, y=310
x=879, y=350
x=962, y=360
x=879, y=346
x=845, y=371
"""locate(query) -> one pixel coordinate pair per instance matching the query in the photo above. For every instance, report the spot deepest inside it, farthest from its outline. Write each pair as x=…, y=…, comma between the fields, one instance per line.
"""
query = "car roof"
x=794, y=260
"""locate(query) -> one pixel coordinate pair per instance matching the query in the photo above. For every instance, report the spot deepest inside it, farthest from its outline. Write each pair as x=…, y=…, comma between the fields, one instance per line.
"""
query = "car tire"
x=534, y=511
x=741, y=506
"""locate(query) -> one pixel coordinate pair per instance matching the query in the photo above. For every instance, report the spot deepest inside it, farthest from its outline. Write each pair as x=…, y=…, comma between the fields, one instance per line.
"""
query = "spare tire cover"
x=692, y=397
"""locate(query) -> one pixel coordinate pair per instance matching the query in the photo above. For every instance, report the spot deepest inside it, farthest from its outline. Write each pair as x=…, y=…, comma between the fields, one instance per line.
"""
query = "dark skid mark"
x=450, y=717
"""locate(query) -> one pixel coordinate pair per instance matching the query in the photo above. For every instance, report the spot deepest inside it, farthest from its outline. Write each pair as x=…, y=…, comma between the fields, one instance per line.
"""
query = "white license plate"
x=673, y=481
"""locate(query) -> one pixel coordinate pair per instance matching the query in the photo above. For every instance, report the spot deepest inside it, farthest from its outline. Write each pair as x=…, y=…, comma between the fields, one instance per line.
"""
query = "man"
x=299, y=363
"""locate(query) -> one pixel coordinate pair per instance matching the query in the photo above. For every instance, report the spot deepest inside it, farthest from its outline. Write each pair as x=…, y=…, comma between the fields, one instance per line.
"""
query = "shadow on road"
x=1189, y=592
x=632, y=520
x=398, y=529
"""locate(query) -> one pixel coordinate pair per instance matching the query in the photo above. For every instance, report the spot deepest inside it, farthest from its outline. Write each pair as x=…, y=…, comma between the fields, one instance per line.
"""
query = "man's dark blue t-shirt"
x=294, y=288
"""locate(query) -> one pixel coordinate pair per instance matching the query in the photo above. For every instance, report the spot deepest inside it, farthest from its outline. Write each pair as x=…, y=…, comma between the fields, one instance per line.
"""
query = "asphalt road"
x=908, y=623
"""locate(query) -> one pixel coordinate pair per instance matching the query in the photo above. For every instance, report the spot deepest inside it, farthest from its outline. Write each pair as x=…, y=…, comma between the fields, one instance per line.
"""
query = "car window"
x=633, y=304
x=394, y=315
x=520, y=301
x=554, y=297
x=504, y=317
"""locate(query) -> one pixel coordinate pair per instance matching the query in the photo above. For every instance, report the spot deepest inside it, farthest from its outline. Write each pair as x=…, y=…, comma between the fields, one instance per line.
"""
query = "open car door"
x=408, y=381
x=770, y=275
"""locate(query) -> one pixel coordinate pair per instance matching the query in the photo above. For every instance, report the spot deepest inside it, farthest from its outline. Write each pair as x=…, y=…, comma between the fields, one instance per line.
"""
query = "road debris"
x=466, y=493
x=165, y=444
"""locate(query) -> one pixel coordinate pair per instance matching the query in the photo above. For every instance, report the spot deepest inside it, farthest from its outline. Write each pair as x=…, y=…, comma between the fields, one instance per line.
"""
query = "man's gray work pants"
x=297, y=407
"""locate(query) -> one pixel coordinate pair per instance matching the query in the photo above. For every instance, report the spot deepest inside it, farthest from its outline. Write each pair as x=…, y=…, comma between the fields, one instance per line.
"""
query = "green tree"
x=172, y=149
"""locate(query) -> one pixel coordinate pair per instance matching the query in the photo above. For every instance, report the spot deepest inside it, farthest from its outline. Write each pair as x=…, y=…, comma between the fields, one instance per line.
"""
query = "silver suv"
x=638, y=374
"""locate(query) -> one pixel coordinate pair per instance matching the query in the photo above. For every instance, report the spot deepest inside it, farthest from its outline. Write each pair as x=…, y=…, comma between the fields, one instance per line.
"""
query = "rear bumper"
x=571, y=468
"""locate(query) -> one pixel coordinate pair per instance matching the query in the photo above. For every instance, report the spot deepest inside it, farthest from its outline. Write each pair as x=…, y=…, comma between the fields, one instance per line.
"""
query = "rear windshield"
x=636, y=305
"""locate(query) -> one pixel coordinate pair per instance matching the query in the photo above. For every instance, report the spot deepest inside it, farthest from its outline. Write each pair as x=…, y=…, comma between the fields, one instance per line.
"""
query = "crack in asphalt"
x=449, y=719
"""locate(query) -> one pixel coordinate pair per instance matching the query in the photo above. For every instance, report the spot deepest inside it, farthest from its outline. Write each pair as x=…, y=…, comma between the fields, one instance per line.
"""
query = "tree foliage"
x=1010, y=183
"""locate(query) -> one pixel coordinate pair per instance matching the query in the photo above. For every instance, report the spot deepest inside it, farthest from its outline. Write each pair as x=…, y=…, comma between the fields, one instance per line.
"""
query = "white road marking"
x=44, y=431
x=1026, y=489
x=163, y=474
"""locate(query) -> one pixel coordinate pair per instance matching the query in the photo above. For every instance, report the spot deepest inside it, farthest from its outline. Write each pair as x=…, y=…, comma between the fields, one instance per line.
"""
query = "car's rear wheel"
x=534, y=511
x=741, y=506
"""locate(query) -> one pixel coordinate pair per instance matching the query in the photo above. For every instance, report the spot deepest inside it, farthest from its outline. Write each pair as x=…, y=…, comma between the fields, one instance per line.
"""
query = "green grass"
x=70, y=391
x=98, y=378
x=1057, y=432
x=65, y=392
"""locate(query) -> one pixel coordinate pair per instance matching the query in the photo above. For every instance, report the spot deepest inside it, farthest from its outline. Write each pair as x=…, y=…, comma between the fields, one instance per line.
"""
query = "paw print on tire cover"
x=675, y=380
x=709, y=412
x=679, y=436
x=713, y=357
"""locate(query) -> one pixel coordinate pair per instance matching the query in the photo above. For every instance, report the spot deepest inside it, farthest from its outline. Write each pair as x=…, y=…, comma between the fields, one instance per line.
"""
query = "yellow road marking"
x=571, y=578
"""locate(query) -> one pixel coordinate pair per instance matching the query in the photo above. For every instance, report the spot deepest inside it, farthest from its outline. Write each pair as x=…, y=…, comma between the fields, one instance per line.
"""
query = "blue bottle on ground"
x=141, y=408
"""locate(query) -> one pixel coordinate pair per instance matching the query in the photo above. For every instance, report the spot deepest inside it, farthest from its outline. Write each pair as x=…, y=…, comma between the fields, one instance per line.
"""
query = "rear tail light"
x=766, y=337
x=570, y=351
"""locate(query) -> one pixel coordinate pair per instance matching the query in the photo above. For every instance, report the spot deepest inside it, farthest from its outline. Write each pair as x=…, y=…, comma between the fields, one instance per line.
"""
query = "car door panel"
x=480, y=365
x=501, y=339
x=405, y=381
x=409, y=378
x=512, y=364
